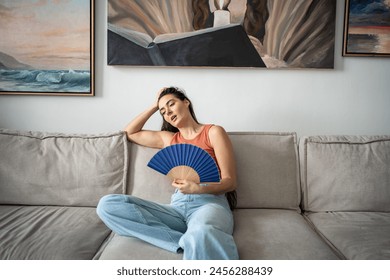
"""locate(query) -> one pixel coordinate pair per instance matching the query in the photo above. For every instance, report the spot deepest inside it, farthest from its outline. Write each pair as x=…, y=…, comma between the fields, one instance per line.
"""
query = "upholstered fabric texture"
x=50, y=185
x=277, y=234
x=267, y=170
x=145, y=182
x=44, y=233
x=130, y=248
x=345, y=173
x=54, y=169
x=356, y=235
x=259, y=234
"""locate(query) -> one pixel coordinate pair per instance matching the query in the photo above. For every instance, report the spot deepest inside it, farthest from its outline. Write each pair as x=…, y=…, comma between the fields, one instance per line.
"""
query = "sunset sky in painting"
x=46, y=34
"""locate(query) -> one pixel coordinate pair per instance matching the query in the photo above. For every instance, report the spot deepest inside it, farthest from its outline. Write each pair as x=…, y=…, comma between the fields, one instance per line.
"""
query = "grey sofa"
x=321, y=198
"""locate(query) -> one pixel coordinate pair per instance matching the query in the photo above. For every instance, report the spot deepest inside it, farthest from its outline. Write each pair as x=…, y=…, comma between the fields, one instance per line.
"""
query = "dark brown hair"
x=178, y=93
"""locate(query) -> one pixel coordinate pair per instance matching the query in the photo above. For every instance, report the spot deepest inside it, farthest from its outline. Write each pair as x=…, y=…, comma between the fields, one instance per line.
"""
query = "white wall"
x=354, y=98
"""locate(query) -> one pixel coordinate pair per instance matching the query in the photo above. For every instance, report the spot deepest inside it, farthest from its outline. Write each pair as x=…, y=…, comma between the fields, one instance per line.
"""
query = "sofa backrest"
x=144, y=182
x=55, y=169
x=345, y=173
x=267, y=167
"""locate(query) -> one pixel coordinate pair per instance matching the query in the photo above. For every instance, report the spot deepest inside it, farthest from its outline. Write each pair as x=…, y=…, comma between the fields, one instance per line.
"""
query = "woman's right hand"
x=158, y=96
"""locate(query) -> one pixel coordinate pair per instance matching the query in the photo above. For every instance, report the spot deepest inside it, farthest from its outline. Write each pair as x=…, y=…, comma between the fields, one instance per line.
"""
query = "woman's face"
x=173, y=110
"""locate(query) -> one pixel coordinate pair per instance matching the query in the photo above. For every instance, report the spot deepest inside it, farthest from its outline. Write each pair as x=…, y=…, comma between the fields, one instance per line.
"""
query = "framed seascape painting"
x=47, y=47
x=367, y=28
x=222, y=33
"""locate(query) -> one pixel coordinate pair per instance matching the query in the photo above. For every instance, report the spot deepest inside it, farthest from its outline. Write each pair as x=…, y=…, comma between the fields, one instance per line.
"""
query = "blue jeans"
x=200, y=225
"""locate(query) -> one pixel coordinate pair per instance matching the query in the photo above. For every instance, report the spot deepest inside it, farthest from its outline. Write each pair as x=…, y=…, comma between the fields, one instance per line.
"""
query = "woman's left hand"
x=186, y=187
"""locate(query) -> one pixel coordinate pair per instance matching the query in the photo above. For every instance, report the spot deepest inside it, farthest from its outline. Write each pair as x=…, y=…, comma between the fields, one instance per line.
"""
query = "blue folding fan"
x=186, y=161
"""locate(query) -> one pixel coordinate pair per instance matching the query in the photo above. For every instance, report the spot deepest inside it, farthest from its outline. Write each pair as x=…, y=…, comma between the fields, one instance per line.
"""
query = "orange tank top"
x=202, y=140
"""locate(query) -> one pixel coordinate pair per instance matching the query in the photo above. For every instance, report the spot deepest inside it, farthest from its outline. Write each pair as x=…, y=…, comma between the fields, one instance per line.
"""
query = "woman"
x=199, y=220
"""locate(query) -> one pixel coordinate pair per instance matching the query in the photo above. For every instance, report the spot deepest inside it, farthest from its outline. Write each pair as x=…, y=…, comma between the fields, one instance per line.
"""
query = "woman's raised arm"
x=149, y=138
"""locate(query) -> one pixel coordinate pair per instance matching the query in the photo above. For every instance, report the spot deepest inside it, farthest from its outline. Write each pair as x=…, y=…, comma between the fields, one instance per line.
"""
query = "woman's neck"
x=190, y=130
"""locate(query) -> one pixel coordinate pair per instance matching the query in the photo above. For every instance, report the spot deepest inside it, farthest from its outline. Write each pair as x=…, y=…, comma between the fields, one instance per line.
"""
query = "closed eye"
x=170, y=103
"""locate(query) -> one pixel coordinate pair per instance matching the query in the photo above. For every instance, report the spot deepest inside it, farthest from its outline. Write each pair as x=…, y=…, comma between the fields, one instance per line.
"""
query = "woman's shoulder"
x=216, y=128
x=216, y=131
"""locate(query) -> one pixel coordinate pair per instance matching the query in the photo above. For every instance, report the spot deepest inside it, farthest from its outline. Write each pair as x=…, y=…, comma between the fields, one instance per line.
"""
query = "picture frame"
x=47, y=48
x=264, y=34
x=366, y=28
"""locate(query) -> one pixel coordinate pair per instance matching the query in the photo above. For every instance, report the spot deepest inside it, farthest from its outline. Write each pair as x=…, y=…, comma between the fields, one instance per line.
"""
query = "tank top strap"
x=205, y=134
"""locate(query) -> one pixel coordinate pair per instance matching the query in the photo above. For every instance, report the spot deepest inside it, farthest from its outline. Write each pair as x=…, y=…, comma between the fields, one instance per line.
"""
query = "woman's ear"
x=187, y=102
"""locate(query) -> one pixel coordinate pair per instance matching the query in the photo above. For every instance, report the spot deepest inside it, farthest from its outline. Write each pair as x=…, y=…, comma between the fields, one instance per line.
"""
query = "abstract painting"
x=47, y=47
x=367, y=28
x=222, y=33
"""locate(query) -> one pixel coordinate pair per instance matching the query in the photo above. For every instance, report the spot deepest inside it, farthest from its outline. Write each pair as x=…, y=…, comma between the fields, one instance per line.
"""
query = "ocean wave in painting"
x=45, y=80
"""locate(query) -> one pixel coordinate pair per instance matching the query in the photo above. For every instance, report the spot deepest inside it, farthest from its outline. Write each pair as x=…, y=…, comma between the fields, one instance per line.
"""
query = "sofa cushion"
x=277, y=234
x=145, y=182
x=267, y=167
x=259, y=234
x=38, y=232
x=357, y=235
x=130, y=248
x=55, y=169
x=267, y=170
x=345, y=173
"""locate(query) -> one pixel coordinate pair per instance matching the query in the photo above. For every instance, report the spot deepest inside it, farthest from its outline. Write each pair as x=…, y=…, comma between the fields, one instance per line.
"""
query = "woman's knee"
x=212, y=218
x=106, y=203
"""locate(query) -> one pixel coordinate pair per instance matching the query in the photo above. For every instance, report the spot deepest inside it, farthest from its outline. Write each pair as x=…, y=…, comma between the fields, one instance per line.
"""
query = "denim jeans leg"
x=157, y=224
x=209, y=233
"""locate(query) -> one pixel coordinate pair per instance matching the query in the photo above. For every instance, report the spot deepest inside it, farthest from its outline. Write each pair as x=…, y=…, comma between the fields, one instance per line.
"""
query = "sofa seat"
x=259, y=234
x=130, y=248
x=277, y=234
x=42, y=232
x=356, y=235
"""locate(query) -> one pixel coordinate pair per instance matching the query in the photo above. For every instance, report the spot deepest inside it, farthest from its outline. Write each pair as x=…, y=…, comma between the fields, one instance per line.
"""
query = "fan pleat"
x=169, y=164
x=186, y=155
x=160, y=164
